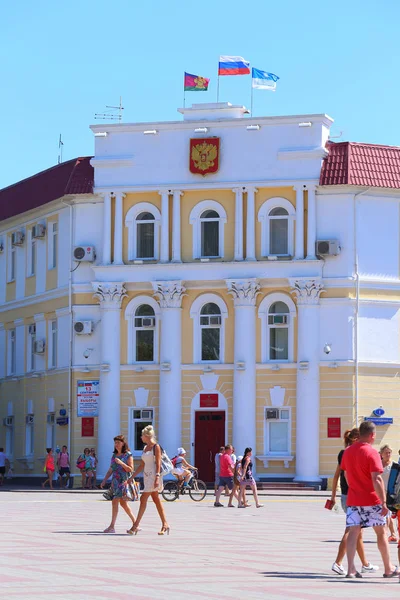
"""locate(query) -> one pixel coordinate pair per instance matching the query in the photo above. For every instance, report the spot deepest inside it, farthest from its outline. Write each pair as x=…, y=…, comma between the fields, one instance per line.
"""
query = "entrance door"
x=209, y=437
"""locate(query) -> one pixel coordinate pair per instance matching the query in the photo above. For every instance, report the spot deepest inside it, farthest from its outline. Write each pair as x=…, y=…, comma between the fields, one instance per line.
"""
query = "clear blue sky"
x=60, y=63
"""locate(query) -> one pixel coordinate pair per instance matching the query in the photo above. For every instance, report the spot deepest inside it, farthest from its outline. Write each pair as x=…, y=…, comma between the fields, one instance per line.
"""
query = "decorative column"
x=176, y=226
x=164, y=251
x=299, y=246
x=238, y=223
x=110, y=296
x=107, y=229
x=244, y=292
x=251, y=224
x=119, y=196
x=307, y=395
x=311, y=223
x=169, y=295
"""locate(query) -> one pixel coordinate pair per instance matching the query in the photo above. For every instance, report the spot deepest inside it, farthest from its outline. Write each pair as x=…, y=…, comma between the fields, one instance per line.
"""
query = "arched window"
x=277, y=227
x=277, y=313
x=209, y=312
x=143, y=222
x=145, y=235
x=208, y=219
x=142, y=314
x=210, y=325
x=145, y=324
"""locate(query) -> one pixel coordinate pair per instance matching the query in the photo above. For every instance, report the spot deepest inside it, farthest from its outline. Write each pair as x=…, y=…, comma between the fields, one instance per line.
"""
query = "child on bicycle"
x=181, y=467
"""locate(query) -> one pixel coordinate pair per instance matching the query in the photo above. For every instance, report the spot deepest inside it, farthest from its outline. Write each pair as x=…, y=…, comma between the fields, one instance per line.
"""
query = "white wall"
x=336, y=329
x=379, y=332
x=63, y=337
x=3, y=269
x=335, y=222
x=87, y=342
x=3, y=338
x=88, y=231
x=63, y=245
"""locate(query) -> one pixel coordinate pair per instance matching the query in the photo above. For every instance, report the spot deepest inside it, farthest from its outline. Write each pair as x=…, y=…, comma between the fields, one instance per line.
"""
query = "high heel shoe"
x=133, y=530
x=164, y=529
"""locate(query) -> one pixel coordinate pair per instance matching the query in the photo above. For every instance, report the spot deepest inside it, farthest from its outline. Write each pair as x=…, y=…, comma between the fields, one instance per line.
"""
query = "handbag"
x=166, y=464
x=132, y=491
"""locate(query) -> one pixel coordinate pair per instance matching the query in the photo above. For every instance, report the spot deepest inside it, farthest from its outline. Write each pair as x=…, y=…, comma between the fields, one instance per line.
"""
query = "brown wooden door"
x=209, y=437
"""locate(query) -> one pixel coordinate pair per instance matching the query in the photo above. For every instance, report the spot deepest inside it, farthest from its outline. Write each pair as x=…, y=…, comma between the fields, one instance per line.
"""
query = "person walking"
x=217, y=468
x=49, y=468
x=225, y=474
x=366, y=500
x=350, y=436
x=63, y=468
x=247, y=479
x=150, y=464
x=386, y=457
x=121, y=468
x=4, y=464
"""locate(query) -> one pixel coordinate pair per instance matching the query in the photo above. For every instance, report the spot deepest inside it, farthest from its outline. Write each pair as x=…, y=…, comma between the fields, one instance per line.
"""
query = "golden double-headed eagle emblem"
x=204, y=156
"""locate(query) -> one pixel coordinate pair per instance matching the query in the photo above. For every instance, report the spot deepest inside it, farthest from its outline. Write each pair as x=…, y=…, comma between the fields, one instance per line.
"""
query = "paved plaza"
x=52, y=547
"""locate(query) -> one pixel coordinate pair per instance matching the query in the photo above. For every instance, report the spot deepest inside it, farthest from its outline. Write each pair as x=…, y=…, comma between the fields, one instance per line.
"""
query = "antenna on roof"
x=114, y=114
x=60, y=149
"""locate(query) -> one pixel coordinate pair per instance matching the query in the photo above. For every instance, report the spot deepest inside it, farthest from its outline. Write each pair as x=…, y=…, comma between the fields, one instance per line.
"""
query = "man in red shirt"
x=225, y=474
x=366, y=499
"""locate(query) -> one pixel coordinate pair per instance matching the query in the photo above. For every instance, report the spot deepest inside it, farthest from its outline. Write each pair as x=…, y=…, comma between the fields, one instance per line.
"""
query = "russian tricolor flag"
x=233, y=65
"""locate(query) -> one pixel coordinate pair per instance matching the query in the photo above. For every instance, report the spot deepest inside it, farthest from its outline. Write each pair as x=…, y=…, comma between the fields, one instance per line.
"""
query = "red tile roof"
x=74, y=176
x=353, y=163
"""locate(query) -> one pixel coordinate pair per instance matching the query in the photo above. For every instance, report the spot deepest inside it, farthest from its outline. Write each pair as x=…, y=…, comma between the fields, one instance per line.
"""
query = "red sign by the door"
x=208, y=400
x=87, y=426
x=334, y=427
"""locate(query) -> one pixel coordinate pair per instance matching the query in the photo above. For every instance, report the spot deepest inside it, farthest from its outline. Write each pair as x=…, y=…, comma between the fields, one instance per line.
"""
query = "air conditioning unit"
x=50, y=419
x=147, y=414
x=84, y=253
x=278, y=319
x=32, y=329
x=272, y=413
x=83, y=327
x=29, y=419
x=38, y=347
x=8, y=421
x=148, y=321
x=17, y=238
x=38, y=231
x=327, y=248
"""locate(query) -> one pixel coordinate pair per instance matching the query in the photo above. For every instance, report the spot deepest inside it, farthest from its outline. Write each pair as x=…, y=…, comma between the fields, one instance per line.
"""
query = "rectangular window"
x=53, y=344
x=29, y=435
x=278, y=233
x=31, y=255
x=144, y=345
x=145, y=240
x=141, y=418
x=12, y=261
x=50, y=431
x=210, y=343
x=53, y=245
x=210, y=239
x=278, y=343
x=278, y=431
x=12, y=352
x=31, y=354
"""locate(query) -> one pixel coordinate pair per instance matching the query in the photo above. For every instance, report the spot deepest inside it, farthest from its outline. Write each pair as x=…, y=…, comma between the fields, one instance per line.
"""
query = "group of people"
x=364, y=475
x=86, y=463
x=234, y=474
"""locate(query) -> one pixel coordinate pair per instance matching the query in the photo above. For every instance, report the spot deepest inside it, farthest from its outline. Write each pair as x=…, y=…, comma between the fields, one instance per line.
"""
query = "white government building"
x=226, y=278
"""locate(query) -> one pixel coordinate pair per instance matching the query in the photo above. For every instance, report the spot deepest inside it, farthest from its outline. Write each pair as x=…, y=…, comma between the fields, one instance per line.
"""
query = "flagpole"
x=251, y=100
x=218, y=88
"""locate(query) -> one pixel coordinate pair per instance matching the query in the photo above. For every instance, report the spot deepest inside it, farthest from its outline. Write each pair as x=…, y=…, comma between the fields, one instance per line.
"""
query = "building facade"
x=225, y=278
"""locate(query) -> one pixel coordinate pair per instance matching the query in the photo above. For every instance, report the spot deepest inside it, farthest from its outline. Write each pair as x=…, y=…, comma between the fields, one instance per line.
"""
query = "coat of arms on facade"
x=204, y=155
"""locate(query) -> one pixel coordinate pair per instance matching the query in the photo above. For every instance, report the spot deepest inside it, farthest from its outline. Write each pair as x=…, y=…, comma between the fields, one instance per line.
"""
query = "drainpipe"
x=357, y=309
x=71, y=238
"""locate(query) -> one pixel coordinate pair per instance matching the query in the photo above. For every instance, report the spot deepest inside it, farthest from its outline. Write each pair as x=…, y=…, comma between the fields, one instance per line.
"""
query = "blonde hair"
x=150, y=433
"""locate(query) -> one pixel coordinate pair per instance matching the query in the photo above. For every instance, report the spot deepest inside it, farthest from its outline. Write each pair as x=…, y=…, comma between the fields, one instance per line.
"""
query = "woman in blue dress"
x=121, y=468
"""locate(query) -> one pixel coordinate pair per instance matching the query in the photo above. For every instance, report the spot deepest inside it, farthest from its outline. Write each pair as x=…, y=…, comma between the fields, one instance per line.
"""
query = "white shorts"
x=365, y=516
x=179, y=471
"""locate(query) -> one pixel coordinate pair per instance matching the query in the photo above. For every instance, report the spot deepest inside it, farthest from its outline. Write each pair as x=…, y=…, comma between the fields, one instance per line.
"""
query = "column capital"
x=118, y=194
x=237, y=189
x=250, y=188
x=178, y=192
x=300, y=186
x=307, y=291
x=110, y=295
x=169, y=293
x=244, y=291
x=162, y=191
x=310, y=187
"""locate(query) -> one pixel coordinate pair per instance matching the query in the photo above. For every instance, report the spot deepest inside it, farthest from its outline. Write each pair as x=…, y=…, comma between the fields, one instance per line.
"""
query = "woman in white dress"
x=151, y=467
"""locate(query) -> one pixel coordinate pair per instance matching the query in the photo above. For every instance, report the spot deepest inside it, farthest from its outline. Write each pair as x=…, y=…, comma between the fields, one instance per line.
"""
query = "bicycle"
x=197, y=489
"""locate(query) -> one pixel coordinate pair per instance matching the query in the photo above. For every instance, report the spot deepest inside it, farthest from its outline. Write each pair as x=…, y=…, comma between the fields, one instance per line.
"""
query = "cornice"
x=112, y=161
x=35, y=299
x=302, y=153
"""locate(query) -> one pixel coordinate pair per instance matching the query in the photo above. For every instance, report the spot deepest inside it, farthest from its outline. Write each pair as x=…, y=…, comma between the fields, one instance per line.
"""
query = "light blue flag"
x=261, y=80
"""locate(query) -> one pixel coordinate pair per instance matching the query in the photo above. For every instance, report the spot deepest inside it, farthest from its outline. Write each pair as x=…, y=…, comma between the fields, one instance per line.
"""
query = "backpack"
x=393, y=488
x=173, y=460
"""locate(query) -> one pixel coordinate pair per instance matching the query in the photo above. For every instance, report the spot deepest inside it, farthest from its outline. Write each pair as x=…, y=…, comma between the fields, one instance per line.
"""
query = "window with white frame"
x=209, y=313
x=53, y=340
x=143, y=222
x=145, y=325
x=9, y=426
x=277, y=216
x=12, y=260
x=277, y=312
x=140, y=418
x=29, y=434
x=277, y=431
x=208, y=219
x=31, y=254
x=50, y=430
x=12, y=352
x=31, y=357
x=52, y=245
x=210, y=326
